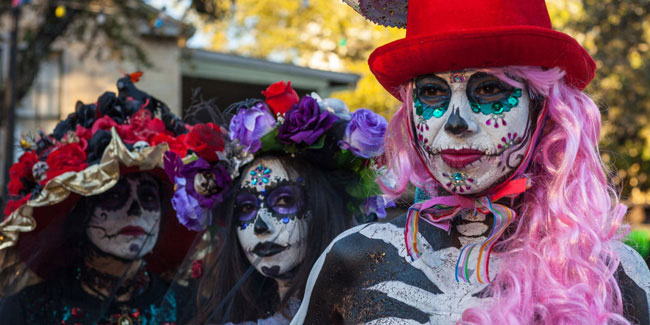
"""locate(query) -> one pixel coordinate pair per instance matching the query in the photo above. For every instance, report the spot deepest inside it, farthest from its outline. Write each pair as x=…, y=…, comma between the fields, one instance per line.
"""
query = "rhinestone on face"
x=458, y=182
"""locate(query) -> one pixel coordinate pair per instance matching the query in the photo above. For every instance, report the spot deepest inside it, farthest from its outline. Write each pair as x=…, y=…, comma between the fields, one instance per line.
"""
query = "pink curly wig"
x=561, y=262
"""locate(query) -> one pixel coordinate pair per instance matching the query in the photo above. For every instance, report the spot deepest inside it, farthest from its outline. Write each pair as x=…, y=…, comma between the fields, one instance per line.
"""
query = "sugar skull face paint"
x=272, y=219
x=126, y=220
x=471, y=127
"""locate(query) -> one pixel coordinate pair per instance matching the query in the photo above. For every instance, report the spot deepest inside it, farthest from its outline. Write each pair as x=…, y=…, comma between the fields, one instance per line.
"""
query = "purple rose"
x=249, y=125
x=305, y=123
x=378, y=205
x=188, y=210
x=364, y=134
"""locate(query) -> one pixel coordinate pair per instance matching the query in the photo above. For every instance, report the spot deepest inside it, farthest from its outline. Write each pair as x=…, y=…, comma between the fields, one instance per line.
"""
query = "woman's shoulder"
x=633, y=265
x=633, y=279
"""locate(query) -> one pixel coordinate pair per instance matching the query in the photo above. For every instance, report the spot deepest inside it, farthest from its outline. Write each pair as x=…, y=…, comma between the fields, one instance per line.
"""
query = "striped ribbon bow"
x=440, y=211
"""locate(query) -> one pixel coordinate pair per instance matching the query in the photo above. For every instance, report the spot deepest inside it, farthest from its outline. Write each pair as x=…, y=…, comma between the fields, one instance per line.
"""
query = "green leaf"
x=270, y=141
x=367, y=185
x=348, y=160
x=318, y=144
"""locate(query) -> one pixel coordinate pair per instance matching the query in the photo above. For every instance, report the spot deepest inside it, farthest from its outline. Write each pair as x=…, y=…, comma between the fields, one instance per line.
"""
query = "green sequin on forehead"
x=498, y=107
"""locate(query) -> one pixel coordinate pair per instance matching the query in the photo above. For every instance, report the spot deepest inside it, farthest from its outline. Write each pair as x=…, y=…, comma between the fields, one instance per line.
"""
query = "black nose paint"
x=456, y=124
x=260, y=226
x=272, y=271
x=135, y=209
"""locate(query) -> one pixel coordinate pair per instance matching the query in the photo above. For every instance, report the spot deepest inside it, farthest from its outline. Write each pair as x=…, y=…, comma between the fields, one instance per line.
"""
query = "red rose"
x=103, y=123
x=127, y=134
x=144, y=127
x=83, y=133
x=67, y=158
x=280, y=97
x=205, y=139
x=15, y=204
x=197, y=268
x=21, y=170
x=176, y=145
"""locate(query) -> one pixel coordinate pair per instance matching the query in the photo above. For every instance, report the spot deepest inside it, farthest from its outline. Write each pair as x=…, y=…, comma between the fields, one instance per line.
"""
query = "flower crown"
x=322, y=131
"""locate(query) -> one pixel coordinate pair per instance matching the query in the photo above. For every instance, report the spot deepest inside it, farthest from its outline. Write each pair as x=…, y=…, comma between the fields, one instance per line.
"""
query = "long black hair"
x=231, y=289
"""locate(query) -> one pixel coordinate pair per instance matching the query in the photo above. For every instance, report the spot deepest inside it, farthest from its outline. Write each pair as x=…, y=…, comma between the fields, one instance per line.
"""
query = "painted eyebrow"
x=429, y=77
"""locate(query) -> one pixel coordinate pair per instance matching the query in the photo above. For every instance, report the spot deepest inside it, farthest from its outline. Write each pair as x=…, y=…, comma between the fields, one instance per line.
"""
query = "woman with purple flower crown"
x=305, y=172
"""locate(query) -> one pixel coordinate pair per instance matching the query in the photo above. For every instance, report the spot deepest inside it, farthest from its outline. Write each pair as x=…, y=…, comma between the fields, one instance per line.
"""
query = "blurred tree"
x=106, y=26
x=617, y=34
x=320, y=34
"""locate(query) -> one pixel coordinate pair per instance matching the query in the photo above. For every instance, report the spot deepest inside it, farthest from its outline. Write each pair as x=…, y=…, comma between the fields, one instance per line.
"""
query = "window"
x=41, y=107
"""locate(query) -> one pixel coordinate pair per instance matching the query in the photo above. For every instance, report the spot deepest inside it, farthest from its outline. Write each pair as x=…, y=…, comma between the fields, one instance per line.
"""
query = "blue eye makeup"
x=431, y=97
x=489, y=95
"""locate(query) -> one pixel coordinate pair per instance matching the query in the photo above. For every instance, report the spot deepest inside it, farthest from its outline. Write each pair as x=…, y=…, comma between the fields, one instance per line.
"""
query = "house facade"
x=64, y=78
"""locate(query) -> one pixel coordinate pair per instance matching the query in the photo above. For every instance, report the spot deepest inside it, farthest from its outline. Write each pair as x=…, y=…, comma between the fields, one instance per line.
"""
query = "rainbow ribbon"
x=440, y=211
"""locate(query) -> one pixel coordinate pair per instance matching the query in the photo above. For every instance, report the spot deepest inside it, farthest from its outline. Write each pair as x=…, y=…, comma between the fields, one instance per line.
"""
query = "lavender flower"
x=249, y=125
x=364, y=134
x=188, y=210
x=378, y=205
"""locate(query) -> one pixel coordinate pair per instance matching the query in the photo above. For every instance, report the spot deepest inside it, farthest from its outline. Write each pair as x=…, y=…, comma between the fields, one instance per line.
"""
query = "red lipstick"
x=132, y=231
x=460, y=158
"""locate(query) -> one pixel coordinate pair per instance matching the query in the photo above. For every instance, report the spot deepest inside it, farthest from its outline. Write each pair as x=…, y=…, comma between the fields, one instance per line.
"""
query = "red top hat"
x=453, y=35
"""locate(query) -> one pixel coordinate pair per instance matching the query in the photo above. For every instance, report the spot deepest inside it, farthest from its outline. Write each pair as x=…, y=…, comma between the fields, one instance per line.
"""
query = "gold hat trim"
x=95, y=179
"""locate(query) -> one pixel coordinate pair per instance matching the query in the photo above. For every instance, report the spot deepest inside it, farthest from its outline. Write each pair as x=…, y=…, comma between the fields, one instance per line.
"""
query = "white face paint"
x=273, y=223
x=126, y=220
x=473, y=128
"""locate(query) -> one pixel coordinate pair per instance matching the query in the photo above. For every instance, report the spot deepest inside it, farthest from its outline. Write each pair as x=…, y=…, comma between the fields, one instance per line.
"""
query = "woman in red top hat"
x=521, y=225
x=90, y=236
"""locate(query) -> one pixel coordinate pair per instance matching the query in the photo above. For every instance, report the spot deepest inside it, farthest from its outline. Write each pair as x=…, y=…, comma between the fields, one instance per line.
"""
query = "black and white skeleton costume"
x=365, y=277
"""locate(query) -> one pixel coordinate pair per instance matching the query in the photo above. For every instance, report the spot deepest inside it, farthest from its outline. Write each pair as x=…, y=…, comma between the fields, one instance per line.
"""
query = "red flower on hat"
x=15, y=204
x=68, y=158
x=280, y=97
x=143, y=127
x=205, y=140
x=103, y=123
x=21, y=170
x=83, y=133
x=176, y=145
